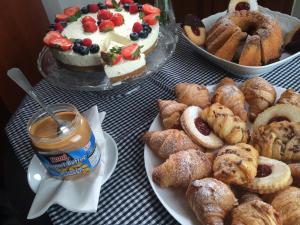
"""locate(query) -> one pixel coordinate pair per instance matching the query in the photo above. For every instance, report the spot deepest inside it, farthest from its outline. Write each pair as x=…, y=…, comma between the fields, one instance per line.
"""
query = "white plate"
x=37, y=172
x=287, y=23
x=173, y=199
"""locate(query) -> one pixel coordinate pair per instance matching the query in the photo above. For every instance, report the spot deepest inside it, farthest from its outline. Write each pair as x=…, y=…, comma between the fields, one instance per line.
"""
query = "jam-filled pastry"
x=211, y=200
x=229, y=95
x=278, y=140
x=295, y=170
x=170, y=112
x=167, y=142
x=225, y=124
x=272, y=176
x=194, y=29
x=255, y=212
x=238, y=5
x=290, y=97
x=192, y=94
x=259, y=94
x=181, y=168
x=236, y=164
x=198, y=130
x=277, y=113
x=287, y=204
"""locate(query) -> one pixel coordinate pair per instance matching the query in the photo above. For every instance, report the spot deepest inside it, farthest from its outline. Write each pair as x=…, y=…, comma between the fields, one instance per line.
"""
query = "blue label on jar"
x=82, y=160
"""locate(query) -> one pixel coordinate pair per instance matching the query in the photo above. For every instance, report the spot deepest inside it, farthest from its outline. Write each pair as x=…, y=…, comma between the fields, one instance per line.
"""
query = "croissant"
x=229, y=95
x=295, y=170
x=170, y=112
x=290, y=97
x=278, y=140
x=259, y=94
x=167, y=142
x=192, y=94
x=181, y=168
x=211, y=200
x=255, y=212
x=225, y=124
x=236, y=164
x=287, y=204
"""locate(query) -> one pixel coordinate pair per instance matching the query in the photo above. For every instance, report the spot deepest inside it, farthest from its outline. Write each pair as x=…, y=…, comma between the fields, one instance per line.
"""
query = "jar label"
x=82, y=160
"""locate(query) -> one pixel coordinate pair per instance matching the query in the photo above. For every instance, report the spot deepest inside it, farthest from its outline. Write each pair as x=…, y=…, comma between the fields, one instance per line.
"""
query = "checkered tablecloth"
x=127, y=197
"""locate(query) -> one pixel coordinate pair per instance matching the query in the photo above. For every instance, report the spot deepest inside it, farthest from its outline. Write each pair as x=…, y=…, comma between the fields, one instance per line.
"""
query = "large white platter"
x=174, y=199
x=287, y=23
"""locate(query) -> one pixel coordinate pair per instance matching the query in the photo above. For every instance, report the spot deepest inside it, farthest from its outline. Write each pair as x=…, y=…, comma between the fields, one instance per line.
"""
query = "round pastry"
x=292, y=41
x=264, y=37
x=291, y=97
x=236, y=164
x=272, y=176
x=277, y=113
x=194, y=29
x=238, y=5
x=198, y=130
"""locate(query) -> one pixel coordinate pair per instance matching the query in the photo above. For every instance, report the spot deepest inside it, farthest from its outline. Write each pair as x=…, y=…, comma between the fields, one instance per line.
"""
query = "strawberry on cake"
x=80, y=37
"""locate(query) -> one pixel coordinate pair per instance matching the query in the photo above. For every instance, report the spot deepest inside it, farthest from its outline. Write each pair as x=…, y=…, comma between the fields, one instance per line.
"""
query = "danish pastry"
x=211, y=200
x=167, y=142
x=236, y=164
x=259, y=94
x=198, y=130
x=170, y=112
x=287, y=204
x=192, y=94
x=194, y=29
x=290, y=97
x=225, y=124
x=181, y=168
x=278, y=140
x=272, y=176
x=229, y=95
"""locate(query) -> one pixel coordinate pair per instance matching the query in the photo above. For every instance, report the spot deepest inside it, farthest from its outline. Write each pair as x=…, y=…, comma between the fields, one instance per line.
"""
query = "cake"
x=261, y=44
x=81, y=37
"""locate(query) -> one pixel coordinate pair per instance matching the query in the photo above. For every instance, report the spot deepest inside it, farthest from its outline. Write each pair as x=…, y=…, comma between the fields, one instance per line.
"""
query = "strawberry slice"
x=150, y=9
x=111, y=58
x=131, y=52
x=61, y=43
x=71, y=11
x=88, y=19
x=104, y=14
x=106, y=25
x=90, y=27
x=151, y=19
x=127, y=1
x=117, y=19
x=50, y=35
x=60, y=17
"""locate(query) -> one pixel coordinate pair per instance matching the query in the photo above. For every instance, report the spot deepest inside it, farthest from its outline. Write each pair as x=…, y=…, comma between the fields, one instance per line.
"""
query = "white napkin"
x=79, y=195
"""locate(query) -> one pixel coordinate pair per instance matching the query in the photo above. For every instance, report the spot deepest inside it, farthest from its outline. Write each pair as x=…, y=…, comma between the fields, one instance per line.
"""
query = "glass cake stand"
x=98, y=81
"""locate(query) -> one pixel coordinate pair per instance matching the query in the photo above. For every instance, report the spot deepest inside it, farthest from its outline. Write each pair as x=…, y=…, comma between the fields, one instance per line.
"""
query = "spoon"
x=20, y=79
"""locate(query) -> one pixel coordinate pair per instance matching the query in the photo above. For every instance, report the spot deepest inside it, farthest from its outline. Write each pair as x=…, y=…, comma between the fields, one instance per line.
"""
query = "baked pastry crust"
x=192, y=94
x=229, y=95
x=181, y=168
x=259, y=94
x=278, y=140
x=278, y=179
x=211, y=200
x=225, y=124
x=287, y=204
x=290, y=96
x=170, y=113
x=167, y=142
x=236, y=164
x=295, y=171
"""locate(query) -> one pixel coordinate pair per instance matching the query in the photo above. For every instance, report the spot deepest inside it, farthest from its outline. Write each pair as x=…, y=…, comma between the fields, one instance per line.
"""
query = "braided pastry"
x=211, y=200
x=287, y=204
x=170, y=112
x=192, y=94
x=225, y=124
x=259, y=94
x=278, y=140
x=164, y=143
x=236, y=164
x=181, y=168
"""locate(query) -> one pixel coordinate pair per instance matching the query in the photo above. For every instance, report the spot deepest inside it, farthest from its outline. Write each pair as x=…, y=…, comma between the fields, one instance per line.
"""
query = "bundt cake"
x=263, y=42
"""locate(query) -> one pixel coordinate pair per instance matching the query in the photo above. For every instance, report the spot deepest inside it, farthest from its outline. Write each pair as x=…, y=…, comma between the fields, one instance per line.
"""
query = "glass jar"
x=67, y=155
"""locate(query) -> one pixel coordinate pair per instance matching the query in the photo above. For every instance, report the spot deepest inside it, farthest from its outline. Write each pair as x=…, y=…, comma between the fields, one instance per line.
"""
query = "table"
x=127, y=197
